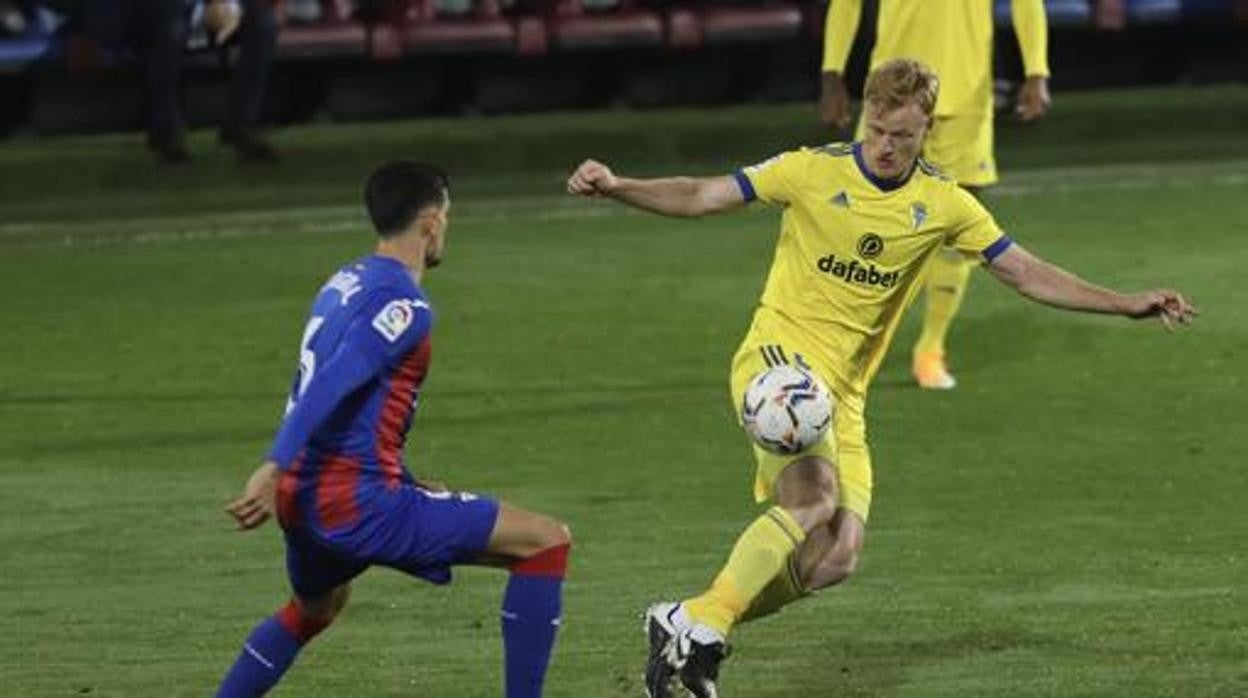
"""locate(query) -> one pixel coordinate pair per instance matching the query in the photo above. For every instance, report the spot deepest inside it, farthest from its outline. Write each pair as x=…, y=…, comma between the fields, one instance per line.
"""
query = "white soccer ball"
x=786, y=409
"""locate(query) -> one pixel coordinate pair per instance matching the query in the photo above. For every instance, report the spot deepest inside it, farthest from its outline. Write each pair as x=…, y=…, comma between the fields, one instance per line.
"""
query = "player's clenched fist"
x=591, y=178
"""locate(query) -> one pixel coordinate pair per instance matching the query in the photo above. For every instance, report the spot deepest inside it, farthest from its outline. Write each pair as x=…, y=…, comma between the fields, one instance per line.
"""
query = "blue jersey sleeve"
x=386, y=328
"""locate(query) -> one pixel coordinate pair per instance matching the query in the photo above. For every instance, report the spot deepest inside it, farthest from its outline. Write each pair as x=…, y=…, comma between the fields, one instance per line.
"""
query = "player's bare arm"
x=1043, y=282
x=256, y=504
x=684, y=197
x=834, y=109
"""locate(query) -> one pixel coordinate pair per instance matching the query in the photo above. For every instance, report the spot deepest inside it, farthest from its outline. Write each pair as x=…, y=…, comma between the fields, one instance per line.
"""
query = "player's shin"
x=758, y=557
x=530, y=619
x=782, y=590
x=269, y=651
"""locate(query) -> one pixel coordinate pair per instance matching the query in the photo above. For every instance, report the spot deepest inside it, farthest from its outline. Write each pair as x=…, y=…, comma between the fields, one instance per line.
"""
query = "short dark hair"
x=399, y=190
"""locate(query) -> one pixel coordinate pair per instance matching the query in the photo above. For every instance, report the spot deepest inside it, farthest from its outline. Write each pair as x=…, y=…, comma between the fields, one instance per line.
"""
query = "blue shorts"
x=408, y=528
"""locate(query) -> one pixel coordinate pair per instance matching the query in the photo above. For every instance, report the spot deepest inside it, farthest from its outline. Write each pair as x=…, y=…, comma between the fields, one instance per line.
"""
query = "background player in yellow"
x=860, y=222
x=954, y=39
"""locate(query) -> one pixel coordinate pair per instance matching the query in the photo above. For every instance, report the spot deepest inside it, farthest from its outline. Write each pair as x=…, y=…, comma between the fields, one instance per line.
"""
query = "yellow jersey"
x=851, y=253
x=952, y=37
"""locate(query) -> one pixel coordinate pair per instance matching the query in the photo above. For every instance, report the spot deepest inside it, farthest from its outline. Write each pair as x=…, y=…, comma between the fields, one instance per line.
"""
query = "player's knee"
x=551, y=533
x=807, y=488
x=306, y=618
x=553, y=546
x=562, y=534
x=325, y=608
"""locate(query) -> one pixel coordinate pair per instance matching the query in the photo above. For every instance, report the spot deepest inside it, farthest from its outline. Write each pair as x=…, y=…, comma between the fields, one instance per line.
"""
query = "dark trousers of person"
x=158, y=29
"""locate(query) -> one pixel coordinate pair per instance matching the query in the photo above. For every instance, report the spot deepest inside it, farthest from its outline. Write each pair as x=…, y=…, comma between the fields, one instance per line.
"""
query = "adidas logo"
x=841, y=199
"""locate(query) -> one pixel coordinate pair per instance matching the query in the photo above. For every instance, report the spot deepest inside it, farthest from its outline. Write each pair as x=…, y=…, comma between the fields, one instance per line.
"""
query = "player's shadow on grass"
x=869, y=667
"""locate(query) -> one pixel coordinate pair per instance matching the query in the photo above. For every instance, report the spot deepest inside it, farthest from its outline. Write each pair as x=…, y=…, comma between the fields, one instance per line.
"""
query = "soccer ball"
x=786, y=409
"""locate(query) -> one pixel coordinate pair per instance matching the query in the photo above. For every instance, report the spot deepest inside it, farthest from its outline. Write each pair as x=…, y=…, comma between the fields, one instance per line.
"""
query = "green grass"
x=1068, y=522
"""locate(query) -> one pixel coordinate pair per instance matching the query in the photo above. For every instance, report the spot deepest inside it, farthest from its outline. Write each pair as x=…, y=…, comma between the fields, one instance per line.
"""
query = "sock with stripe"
x=947, y=278
x=781, y=591
x=268, y=653
x=760, y=554
x=530, y=619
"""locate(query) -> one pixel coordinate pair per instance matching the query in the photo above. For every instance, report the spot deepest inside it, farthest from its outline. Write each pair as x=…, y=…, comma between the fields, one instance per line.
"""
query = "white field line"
x=328, y=220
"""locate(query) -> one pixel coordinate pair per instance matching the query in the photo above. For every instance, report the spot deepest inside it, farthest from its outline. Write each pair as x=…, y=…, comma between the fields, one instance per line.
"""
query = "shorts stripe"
x=766, y=357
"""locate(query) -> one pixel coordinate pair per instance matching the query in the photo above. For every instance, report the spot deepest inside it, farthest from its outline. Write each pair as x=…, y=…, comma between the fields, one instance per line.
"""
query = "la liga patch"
x=394, y=319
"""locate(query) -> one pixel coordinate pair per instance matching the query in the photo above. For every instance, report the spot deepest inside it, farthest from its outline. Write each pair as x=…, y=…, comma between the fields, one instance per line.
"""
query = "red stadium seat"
x=335, y=34
x=722, y=24
x=607, y=24
x=479, y=27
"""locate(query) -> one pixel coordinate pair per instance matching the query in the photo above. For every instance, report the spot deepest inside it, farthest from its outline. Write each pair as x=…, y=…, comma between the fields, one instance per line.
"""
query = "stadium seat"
x=599, y=24
x=459, y=26
x=1068, y=13
x=1208, y=9
x=1153, y=11
x=724, y=23
x=334, y=34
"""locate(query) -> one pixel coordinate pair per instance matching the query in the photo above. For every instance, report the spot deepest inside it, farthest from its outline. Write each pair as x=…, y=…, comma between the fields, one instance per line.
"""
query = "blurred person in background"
x=955, y=39
x=12, y=18
x=160, y=32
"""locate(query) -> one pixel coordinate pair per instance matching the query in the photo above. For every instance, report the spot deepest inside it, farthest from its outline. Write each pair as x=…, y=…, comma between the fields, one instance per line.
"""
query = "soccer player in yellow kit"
x=953, y=38
x=860, y=222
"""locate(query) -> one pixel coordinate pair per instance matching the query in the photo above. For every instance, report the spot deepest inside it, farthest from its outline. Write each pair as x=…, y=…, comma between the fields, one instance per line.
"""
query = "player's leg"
x=689, y=637
x=962, y=147
x=829, y=554
x=535, y=549
x=430, y=532
x=322, y=586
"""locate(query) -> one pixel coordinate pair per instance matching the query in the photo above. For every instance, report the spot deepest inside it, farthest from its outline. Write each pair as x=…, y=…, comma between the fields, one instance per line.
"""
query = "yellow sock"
x=760, y=554
x=947, y=277
x=783, y=590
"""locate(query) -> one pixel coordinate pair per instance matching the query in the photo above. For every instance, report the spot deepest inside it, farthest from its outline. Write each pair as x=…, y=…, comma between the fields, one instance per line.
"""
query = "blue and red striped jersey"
x=364, y=355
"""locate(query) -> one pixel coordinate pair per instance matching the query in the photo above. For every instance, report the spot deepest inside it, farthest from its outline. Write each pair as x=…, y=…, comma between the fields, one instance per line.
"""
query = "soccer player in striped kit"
x=335, y=476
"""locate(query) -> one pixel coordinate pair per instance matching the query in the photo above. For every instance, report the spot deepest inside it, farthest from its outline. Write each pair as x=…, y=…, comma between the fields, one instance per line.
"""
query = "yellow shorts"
x=961, y=145
x=844, y=445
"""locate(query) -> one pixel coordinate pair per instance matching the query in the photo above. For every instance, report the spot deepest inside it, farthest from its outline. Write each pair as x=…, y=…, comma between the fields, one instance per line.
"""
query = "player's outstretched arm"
x=1043, y=282
x=258, y=500
x=685, y=197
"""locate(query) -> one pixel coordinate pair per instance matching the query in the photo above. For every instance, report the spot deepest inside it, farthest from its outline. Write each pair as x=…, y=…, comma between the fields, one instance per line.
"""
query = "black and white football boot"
x=699, y=664
x=662, y=631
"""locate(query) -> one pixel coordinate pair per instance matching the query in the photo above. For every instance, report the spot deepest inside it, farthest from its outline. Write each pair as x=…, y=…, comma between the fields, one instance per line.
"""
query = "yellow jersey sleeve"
x=973, y=230
x=839, y=29
x=774, y=181
x=1032, y=28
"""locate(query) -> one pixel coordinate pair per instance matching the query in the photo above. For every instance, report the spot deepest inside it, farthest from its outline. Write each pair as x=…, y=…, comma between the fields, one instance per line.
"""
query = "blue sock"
x=267, y=654
x=531, y=608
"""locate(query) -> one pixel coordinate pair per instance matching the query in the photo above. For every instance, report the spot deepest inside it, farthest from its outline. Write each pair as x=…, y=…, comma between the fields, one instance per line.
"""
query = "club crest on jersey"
x=870, y=246
x=918, y=212
x=394, y=319
x=841, y=199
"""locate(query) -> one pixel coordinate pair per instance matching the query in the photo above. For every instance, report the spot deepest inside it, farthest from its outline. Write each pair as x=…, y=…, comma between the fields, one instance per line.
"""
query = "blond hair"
x=901, y=81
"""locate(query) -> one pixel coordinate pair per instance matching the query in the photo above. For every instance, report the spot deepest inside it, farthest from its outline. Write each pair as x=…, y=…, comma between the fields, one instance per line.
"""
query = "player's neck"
x=408, y=250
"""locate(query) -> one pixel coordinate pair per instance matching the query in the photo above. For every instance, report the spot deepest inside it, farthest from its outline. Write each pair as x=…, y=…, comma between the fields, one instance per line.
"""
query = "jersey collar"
x=880, y=183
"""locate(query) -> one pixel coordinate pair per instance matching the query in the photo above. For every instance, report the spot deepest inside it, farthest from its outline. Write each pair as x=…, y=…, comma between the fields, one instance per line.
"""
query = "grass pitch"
x=1068, y=522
